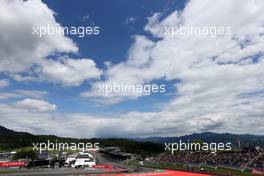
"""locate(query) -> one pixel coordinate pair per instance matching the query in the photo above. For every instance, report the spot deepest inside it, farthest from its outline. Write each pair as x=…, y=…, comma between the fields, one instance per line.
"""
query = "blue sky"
x=54, y=80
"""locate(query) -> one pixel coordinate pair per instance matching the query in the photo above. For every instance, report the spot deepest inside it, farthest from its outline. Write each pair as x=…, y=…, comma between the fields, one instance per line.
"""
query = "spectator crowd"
x=247, y=158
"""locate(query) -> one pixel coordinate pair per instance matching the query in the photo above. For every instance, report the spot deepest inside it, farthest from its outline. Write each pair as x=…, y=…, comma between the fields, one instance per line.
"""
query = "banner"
x=12, y=164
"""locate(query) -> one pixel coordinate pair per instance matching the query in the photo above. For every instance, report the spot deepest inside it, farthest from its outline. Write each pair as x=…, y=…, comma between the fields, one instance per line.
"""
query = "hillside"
x=4, y=130
x=11, y=140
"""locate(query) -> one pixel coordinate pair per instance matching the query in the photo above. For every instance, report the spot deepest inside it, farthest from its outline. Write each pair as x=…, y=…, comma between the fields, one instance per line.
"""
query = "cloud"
x=35, y=105
x=7, y=95
x=125, y=73
x=20, y=49
x=31, y=93
x=4, y=83
x=134, y=124
x=175, y=58
x=24, y=55
x=130, y=20
x=70, y=72
x=213, y=72
x=20, y=93
x=131, y=124
x=86, y=17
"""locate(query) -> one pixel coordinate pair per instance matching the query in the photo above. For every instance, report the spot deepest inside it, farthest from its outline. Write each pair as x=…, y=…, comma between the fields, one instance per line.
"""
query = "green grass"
x=23, y=149
x=234, y=172
x=18, y=149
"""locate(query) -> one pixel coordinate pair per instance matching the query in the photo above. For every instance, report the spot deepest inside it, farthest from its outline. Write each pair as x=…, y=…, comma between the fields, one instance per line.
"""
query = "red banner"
x=12, y=164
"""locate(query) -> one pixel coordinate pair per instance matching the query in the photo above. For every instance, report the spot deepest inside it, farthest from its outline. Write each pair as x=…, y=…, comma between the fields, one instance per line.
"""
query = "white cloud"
x=175, y=57
x=35, y=105
x=31, y=93
x=125, y=73
x=19, y=47
x=134, y=124
x=6, y=95
x=70, y=72
x=214, y=72
x=4, y=83
x=130, y=20
x=21, y=93
x=21, y=51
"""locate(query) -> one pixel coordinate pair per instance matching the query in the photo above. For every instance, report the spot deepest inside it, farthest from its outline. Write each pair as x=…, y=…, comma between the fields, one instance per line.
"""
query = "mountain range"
x=12, y=139
x=209, y=137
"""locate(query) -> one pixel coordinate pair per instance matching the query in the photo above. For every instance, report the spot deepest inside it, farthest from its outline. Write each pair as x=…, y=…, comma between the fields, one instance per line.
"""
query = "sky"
x=51, y=84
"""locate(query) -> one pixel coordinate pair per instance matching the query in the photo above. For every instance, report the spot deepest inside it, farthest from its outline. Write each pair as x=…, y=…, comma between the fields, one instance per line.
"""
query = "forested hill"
x=10, y=140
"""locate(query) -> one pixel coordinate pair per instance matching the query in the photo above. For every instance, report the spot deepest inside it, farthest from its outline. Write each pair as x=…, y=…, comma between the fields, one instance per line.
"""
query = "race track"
x=98, y=172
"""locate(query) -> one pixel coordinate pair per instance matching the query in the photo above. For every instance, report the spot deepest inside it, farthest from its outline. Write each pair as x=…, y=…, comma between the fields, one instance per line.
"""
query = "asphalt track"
x=105, y=167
